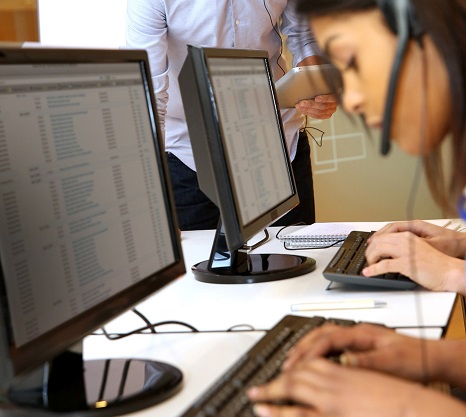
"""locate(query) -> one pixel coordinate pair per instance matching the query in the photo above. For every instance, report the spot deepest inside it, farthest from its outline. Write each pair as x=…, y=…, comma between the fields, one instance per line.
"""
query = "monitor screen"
x=239, y=149
x=87, y=224
x=252, y=135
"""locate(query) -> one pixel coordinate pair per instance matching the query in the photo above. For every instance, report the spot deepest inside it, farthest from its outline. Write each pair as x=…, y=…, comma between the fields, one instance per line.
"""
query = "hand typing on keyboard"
x=349, y=261
x=381, y=377
x=365, y=346
x=430, y=255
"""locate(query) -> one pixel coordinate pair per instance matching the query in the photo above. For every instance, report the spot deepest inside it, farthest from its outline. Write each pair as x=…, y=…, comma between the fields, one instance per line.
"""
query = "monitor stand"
x=239, y=267
x=68, y=385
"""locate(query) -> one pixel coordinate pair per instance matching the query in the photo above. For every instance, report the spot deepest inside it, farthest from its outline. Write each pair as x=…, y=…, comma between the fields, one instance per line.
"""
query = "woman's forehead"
x=353, y=25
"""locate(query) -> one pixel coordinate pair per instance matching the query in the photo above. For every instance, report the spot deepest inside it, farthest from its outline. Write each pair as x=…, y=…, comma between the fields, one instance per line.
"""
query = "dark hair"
x=445, y=22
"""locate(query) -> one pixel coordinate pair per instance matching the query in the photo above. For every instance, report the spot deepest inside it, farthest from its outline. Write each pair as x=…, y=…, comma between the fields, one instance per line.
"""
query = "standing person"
x=165, y=27
x=384, y=370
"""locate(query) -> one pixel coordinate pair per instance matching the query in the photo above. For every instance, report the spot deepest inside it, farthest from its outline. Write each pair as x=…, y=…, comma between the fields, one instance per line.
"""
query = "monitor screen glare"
x=87, y=228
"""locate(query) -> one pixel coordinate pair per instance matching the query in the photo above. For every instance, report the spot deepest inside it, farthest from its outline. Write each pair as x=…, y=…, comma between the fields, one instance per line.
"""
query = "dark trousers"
x=196, y=212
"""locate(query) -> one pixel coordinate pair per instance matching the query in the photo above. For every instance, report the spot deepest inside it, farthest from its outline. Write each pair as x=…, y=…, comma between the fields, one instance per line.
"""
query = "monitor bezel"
x=62, y=337
x=214, y=177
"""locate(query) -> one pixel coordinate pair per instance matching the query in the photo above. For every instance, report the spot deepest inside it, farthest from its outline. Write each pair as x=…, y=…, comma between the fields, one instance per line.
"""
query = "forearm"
x=311, y=60
x=146, y=28
x=300, y=40
x=450, y=362
x=431, y=403
x=451, y=242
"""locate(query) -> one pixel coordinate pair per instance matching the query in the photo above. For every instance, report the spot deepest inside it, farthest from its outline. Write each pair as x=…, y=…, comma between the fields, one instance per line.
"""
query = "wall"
x=354, y=183
x=92, y=23
x=18, y=20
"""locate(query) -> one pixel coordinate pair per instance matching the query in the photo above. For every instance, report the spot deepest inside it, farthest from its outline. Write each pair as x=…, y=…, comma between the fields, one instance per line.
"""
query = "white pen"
x=338, y=305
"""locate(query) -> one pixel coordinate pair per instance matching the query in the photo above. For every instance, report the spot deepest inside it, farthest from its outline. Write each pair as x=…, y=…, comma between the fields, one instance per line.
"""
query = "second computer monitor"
x=241, y=158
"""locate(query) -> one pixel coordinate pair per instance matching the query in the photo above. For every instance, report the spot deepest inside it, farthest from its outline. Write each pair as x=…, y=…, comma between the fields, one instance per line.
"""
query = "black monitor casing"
x=209, y=154
x=16, y=363
x=230, y=262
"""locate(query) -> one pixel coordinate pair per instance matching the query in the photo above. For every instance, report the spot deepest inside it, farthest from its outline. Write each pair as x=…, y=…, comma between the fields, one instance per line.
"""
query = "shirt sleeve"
x=146, y=28
x=300, y=40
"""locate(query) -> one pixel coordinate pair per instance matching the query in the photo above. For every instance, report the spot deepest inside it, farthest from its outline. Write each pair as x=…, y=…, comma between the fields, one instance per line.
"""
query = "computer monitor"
x=87, y=226
x=241, y=159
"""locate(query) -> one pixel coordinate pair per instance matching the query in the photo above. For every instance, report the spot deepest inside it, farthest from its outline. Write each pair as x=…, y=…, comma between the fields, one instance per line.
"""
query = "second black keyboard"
x=227, y=397
x=348, y=262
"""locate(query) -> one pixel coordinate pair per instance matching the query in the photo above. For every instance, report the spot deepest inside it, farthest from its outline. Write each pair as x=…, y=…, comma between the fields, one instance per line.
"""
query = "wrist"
x=455, y=278
x=461, y=246
x=311, y=60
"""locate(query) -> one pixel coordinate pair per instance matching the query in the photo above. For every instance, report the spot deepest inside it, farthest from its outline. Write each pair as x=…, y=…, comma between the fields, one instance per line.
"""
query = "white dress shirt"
x=165, y=27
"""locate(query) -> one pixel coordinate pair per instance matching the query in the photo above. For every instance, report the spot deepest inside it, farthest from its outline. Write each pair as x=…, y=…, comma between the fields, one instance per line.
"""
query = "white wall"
x=353, y=182
x=82, y=23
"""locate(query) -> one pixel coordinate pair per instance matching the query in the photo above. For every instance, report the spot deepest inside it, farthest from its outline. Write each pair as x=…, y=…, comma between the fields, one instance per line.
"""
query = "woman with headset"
x=403, y=67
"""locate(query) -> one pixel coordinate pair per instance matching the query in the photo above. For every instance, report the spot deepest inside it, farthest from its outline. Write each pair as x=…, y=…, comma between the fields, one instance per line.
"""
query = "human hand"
x=417, y=258
x=320, y=107
x=369, y=346
x=320, y=388
x=448, y=241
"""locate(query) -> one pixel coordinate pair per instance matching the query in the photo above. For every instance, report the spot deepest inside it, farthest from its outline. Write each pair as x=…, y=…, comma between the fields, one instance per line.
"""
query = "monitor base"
x=256, y=268
x=107, y=387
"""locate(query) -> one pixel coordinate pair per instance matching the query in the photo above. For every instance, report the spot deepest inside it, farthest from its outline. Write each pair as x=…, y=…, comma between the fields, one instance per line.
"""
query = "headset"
x=402, y=20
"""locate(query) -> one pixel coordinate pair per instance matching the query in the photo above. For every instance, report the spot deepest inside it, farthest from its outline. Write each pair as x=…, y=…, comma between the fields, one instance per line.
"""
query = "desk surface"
x=219, y=307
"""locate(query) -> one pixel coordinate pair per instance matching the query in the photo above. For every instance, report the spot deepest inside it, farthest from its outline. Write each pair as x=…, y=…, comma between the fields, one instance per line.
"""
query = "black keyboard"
x=227, y=397
x=348, y=262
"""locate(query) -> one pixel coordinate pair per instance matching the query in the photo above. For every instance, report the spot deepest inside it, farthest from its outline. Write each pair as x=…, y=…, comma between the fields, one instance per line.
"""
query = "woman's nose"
x=352, y=101
x=352, y=98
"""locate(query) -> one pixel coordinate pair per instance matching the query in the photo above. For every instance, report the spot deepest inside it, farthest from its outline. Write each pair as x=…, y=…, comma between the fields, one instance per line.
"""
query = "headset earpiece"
x=396, y=11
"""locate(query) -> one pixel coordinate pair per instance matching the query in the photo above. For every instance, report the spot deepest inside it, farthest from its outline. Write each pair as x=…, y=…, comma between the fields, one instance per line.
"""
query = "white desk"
x=203, y=357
